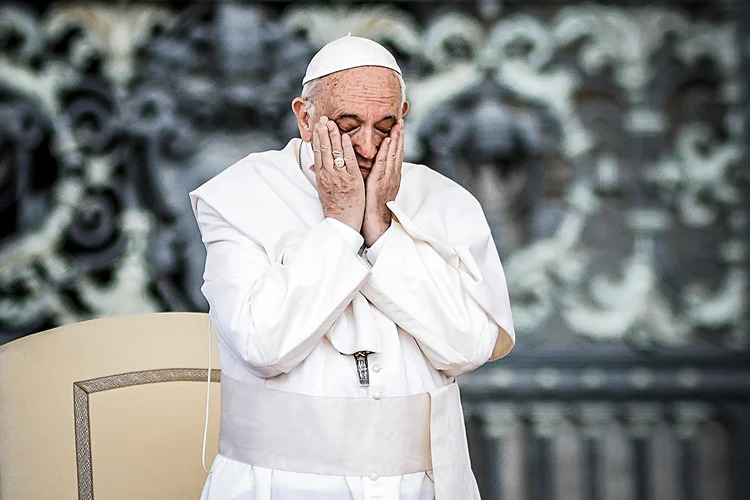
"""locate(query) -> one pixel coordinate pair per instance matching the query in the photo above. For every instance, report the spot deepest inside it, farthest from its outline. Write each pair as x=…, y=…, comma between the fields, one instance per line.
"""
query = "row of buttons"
x=377, y=396
x=373, y=478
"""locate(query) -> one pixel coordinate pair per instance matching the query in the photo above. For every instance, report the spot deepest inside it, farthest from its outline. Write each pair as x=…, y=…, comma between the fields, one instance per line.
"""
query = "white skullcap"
x=349, y=52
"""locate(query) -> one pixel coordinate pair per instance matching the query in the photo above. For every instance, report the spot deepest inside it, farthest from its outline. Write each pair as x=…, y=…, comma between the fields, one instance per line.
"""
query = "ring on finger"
x=339, y=162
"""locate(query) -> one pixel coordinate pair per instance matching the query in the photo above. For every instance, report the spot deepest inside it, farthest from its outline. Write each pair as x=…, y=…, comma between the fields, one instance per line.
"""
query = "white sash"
x=349, y=436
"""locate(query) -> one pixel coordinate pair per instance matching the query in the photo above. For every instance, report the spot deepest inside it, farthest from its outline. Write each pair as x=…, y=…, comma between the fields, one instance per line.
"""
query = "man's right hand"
x=341, y=190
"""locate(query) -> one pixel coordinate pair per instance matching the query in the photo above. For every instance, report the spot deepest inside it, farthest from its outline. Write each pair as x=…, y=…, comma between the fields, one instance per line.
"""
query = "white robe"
x=289, y=294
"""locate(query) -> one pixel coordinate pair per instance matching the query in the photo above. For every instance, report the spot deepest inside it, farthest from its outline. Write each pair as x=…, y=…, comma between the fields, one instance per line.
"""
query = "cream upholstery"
x=137, y=386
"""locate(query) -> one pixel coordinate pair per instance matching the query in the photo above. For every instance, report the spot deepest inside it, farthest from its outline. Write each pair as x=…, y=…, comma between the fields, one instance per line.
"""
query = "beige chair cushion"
x=134, y=385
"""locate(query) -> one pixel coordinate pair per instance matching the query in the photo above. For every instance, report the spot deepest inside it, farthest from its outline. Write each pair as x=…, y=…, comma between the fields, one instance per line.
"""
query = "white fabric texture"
x=352, y=237
x=351, y=437
x=289, y=295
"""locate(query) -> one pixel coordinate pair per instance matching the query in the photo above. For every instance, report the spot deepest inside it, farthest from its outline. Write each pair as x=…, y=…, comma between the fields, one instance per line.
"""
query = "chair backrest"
x=111, y=407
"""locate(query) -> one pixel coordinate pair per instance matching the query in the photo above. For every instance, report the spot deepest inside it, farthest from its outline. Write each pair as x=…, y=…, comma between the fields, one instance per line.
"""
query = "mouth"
x=364, y=166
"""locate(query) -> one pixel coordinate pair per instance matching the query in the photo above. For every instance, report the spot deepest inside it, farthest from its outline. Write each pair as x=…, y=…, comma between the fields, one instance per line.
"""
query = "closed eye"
x=386, y=124
x=347, y=124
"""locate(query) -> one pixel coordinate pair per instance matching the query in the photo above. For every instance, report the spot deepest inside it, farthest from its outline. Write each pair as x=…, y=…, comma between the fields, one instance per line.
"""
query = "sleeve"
x=272, y=314
x=442, y=295
x=352, y=237
x=372, y=253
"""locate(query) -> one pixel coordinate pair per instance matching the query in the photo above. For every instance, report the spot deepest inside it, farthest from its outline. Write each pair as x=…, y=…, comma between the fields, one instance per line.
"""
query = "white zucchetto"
x=349, y=52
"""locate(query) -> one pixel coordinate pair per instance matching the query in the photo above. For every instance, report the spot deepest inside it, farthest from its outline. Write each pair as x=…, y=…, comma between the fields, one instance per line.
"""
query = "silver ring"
x=339, y=162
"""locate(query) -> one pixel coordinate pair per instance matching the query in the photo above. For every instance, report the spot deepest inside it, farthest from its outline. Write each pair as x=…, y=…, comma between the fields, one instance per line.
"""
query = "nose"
x=366, y=143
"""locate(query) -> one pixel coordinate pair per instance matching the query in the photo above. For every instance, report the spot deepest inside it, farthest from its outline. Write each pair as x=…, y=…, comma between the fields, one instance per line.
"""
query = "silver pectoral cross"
x=363, y=371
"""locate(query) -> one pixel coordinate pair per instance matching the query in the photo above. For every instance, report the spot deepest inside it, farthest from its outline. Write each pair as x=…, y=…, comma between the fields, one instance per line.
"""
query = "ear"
x=404, y=109
x=303, y=119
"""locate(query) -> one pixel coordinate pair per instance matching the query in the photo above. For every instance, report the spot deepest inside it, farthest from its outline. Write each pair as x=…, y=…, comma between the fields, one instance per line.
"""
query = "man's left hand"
x=382, y=184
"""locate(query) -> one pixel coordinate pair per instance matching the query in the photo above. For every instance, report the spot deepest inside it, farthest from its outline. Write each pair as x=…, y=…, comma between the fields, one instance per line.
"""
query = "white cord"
x=208, y=399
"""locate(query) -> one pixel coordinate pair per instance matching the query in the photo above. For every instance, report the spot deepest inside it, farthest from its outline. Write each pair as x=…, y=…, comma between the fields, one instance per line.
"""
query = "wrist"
x=374, y=230
x=353, y=222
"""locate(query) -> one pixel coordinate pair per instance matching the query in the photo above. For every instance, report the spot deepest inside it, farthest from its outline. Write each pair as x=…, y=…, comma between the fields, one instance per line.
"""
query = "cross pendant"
x=363, y=371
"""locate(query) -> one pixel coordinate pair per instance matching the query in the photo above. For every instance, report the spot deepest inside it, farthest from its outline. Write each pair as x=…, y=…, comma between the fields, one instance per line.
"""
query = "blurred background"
x=607, y=143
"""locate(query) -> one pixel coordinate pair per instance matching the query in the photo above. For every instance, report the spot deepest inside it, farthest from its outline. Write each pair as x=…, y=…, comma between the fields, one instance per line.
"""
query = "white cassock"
x=290, y=292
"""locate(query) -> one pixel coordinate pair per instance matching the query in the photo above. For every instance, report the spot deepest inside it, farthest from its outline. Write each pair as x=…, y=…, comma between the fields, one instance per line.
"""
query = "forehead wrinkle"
x=369, y=91
x=362, y=106
x=351, y=91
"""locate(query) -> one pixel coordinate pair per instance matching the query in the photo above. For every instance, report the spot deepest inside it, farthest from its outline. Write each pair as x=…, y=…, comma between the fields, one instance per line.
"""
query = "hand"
x=341, y=190
x=382, y=184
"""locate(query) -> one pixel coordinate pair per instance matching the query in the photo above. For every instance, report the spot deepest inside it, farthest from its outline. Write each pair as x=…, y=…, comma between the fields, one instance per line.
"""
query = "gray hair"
x=311, y=91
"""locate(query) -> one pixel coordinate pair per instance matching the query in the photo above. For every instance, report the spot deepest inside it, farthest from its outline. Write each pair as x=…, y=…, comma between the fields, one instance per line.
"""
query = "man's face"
x=365, y=103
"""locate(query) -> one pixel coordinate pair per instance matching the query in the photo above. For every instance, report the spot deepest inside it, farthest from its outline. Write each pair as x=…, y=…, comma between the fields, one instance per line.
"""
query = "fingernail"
x=323, y=119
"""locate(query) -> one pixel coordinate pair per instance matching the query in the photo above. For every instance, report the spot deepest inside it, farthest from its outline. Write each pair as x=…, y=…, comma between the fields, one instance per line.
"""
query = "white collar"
x=307, y=158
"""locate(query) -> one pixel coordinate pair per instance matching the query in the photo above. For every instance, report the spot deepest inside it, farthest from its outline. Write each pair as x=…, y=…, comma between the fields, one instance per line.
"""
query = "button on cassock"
x=374, y=477
x=378, y=395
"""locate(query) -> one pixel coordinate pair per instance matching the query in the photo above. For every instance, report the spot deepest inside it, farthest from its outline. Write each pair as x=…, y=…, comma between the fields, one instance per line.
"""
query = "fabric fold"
x=451, y=465
x=356, y=329
x=479, y=267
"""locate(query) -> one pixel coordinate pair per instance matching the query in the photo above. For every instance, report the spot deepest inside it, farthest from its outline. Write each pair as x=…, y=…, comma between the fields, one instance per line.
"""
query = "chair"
x=111, y=408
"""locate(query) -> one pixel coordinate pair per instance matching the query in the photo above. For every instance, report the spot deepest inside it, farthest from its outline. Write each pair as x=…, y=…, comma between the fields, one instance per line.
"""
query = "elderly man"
x=348, y=290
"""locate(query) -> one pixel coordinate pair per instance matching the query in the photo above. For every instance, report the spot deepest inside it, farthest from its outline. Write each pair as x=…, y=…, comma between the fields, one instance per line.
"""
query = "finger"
x=335, y=137
x=326, y=159
x=349, y=157
x=381, y=159
x=400, y=147
x=390, y=165
x=394, y=131
x=316, y=149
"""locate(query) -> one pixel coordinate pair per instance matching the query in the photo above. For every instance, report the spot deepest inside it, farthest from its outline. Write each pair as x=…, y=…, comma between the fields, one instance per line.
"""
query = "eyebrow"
x=358, y=118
